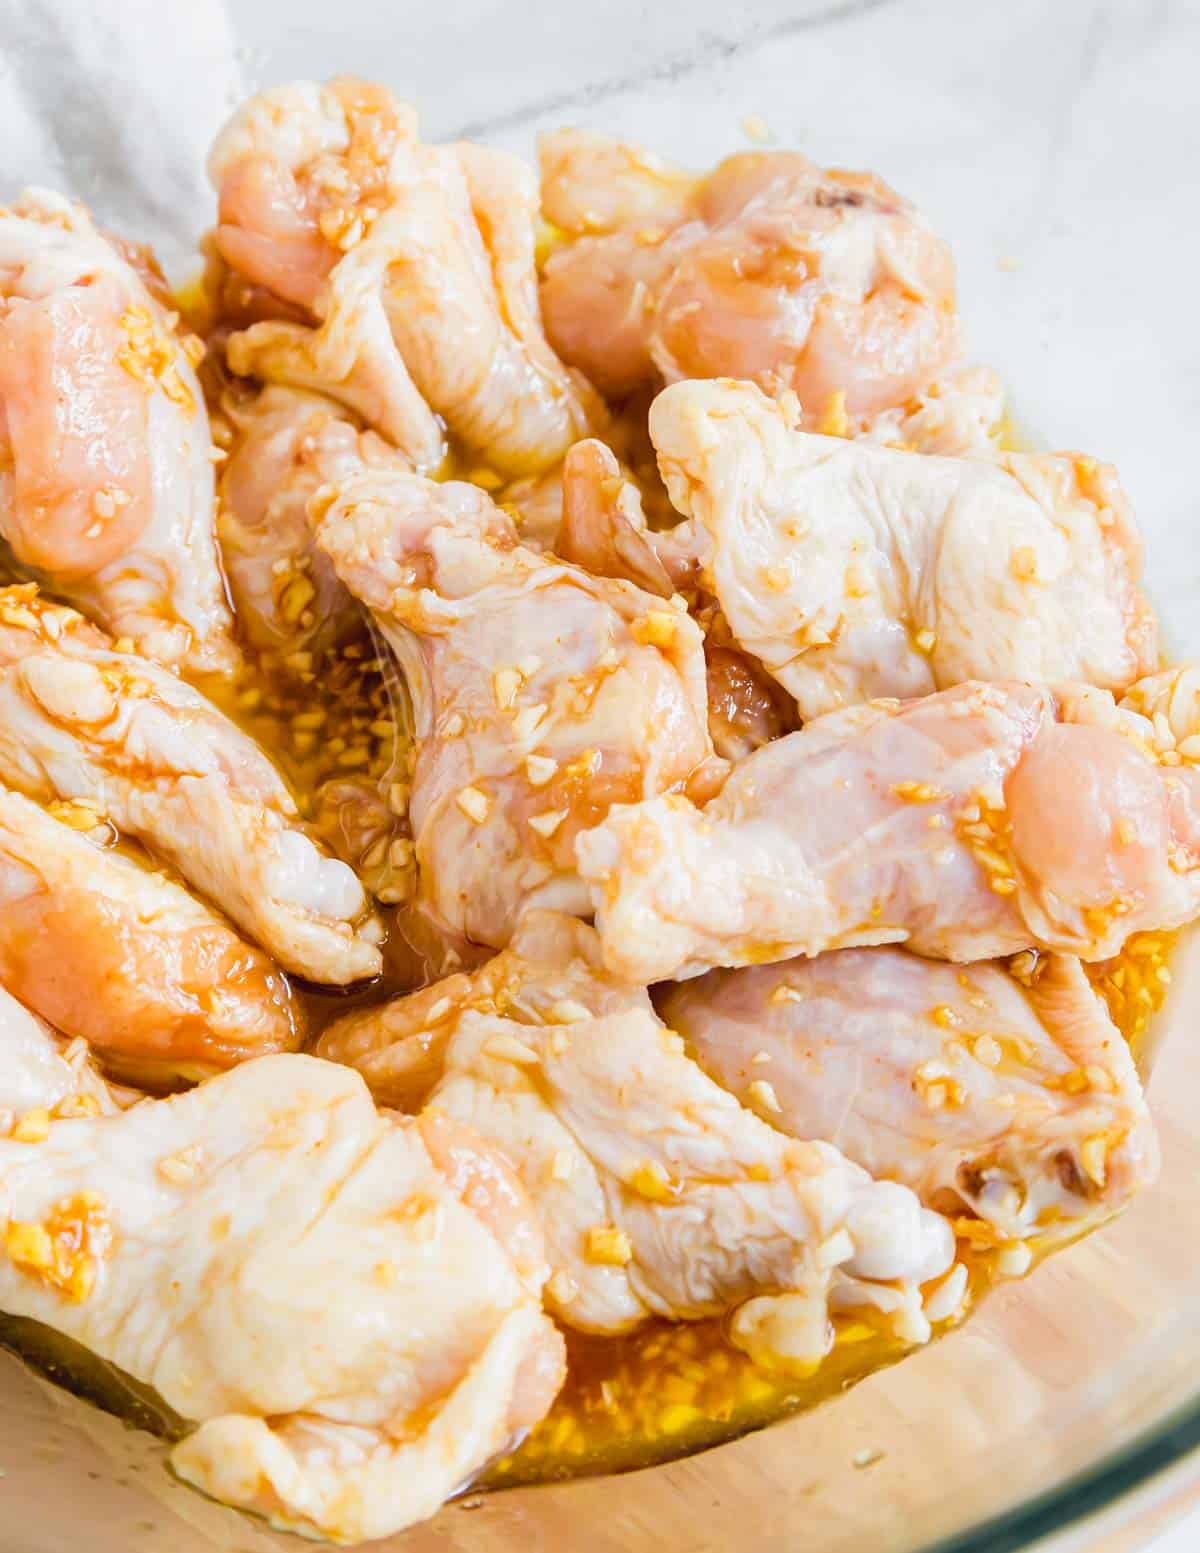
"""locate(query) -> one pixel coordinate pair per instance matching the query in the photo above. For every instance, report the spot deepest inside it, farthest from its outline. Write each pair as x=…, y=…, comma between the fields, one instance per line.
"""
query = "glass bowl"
x=1049, y=145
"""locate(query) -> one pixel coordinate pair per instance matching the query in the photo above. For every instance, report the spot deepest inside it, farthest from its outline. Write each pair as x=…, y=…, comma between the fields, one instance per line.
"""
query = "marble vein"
x=713, y=48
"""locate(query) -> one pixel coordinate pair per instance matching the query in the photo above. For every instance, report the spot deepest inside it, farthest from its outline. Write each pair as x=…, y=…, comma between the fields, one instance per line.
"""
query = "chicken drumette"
x=341, y=1307
x=106, y=476
x=128, y=740
x=973, y=823
x=1013, y=1103
x=851, y=570
x=404, y=273
x=541, y=695
x=824, y=283
x=108, y=950
x=659, y=1194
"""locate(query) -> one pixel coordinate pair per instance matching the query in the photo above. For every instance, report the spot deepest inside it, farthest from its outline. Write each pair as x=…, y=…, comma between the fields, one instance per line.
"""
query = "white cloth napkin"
x=116, y=102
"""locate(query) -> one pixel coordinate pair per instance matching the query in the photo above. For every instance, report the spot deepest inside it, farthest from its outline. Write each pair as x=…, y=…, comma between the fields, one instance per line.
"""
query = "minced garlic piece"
x=476, y=805
x=608, y=1246
x=505, y=685
x=937, y=1086
x=1093, y=1156
x=76, y=1106
x=180, y=1168
x=917, y=792
x=546, y=824
x=63, y=1251
x=651, y=1181
x=149, y=355
x=507, y=1048
x=755, y=127
x=566, y=1011
x=987, y=1051
x=762, y=1095
x=834, y=421
x=540, y=769
x=34, y=1126
x=1023, y=563
x=77, y=815
x=656, y=628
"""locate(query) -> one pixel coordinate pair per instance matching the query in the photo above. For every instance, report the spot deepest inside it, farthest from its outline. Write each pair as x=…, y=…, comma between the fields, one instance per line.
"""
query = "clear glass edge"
x=1087, y=1492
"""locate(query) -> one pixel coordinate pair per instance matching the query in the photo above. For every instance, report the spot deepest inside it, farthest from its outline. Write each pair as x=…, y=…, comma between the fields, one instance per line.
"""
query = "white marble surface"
x=1053, y=140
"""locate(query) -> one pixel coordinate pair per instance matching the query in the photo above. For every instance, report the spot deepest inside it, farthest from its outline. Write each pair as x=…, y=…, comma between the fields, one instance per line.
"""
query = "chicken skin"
x=824, y=283
x=342, y=1307
x=852, y=571
x=604, y=531
x=1016, y=1105
x=659, y=1194
x=44, y=1072
x=411, y=270
x=541, y=695
x=286, y=594
x=974, y=823
x=104, y=949
x=106, y=477
x=134, y=744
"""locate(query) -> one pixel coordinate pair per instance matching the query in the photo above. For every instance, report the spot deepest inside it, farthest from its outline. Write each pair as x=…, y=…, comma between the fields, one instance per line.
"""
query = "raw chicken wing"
x=974, y=823
x=106, y=480
x=541, y=695
x=1014, y=1103
x=134, y=744
x=851, y=570
x=102, y=948
x=659, y=1194
x=342, y=1307
x=413, y=266
x=824, y=283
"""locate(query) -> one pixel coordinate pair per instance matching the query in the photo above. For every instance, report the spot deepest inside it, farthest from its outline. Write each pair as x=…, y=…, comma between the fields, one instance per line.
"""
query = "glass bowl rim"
x=1092, y=1489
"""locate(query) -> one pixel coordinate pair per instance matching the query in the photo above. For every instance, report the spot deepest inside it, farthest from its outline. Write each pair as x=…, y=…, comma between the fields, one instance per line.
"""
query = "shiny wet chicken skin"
x=283, y=448
x=977, y=822
x=44, y=1071
x=1015, y=1104
x=604, y=530
x=117, y=734
x=107, y=949
x=658, y=1193
x=413, y=265
x=343, y=1307
x=769, y=269
x=541, y=694
x=347, y=1307
x=851, y=571
x=106, y=476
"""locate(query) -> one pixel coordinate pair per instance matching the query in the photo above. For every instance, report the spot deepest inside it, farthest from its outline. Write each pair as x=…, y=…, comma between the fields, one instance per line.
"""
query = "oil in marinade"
x=667, y=1389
